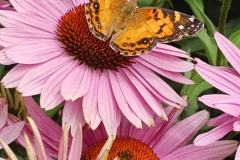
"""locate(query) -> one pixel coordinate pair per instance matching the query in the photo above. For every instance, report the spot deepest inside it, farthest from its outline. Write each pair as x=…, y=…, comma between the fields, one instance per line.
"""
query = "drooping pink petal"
x=168, y=62
x=76, y=2
x=51, y=95
x=11, y=36
x=229, y=70
x=76, y=146
x=135, y=100
x=106, y=147
x=34, y=80
x=236, y=126
x=63, y=147
x=9, y=133
x=126, y=129
x=230, y=51
x=162, y=87
x=155, y=104
x=170, y=50
x=49, y=10
x=150, y=136
x=237, y=157
x=15, y=75
x=34, y=51
x=217, y=150
x=212, y=99
x=215, y=134
x=230, y=106
x=79, y=78
x=73, y=114
x=44, y=123
x=220, y=79
x=163, y=126
x=18, y=6
x=8, y=150
x=4, y=4
x=174, y=76
x=98, y=134
x=29, y=148
x=50, y=145
x=181, y=133
x=107, y=107
x=3, y=58
x=16, y=19
x=69, y=4
x=151, y=88
x=122, y=102
x=219, y=120
x=40, y=150
x=3, y=112
x=89, y=104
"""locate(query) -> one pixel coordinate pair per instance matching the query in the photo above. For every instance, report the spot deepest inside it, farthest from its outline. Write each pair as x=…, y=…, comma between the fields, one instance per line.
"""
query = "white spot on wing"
x=181, y=27
x=191, y=19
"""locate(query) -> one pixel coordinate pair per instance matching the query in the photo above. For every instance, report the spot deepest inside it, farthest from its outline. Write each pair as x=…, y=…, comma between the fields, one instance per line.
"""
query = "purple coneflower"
x=9, y=131
x=58, y=57
x=227, y=80
x=167, y=141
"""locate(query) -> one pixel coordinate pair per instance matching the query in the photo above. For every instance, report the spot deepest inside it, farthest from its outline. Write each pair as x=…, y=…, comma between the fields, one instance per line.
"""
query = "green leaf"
x=53, y=111
x=209, y=45
x=2, y=67
x=232, y=26
x=190, y=109
x=235, y=38
x=190, y=44
x=193, y=91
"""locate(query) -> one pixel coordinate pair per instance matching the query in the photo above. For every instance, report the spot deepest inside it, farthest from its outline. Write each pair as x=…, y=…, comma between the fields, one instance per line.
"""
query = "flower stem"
x=222, y=22
x=223, y=15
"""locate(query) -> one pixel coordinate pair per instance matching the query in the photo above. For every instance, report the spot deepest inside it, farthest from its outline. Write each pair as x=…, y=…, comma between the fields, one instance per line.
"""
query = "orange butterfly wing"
x=168, y=25
x=151, y=25
x=135, y=40
x=100, y=15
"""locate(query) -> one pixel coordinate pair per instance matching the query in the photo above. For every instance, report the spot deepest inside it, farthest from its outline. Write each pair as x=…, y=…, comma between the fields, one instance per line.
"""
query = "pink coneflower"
x=58, y=57
x=8, y=131
x=36, y=149
x=227, y=80
x=165, y=142
x=44, y=138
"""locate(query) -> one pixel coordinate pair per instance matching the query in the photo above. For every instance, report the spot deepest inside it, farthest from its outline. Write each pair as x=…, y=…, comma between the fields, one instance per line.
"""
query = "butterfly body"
x=137, y=30
x=124, y=16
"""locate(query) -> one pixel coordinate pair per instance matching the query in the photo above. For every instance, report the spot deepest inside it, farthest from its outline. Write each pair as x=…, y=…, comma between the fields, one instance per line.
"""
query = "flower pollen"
x=124, y=149
x=73, y=32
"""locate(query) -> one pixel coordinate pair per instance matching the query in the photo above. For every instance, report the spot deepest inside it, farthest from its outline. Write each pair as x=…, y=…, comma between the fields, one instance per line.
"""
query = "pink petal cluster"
x=168, y=140
x=9, y=129
x=227, y=80
x=45, y=139
x=43, y=67
x=5, y=5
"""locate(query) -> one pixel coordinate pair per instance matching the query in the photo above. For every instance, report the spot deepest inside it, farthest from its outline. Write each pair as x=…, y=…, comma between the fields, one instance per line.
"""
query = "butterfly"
x=137, y=30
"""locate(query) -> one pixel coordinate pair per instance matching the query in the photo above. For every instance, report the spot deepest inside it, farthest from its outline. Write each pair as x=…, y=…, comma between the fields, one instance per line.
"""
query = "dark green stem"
x=222, y=22
x=223, y=16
